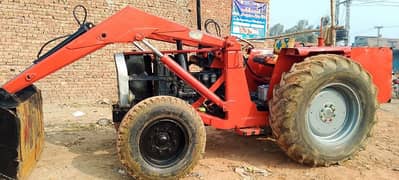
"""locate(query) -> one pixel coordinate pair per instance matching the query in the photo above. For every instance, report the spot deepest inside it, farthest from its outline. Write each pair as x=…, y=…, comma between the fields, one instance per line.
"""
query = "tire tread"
x=284, y=96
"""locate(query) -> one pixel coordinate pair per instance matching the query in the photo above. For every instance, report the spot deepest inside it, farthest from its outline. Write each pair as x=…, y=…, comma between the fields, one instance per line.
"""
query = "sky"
x=363, y=18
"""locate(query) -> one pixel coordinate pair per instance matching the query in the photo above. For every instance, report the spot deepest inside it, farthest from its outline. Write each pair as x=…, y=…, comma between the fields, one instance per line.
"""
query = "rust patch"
x=31, y=135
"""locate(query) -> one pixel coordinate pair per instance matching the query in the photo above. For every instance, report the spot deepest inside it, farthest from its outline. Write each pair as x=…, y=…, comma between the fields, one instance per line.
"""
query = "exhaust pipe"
x=21, y=137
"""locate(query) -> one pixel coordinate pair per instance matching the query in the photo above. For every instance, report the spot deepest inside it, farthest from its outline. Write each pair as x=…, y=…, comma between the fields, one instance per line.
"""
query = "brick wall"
x=25, y=25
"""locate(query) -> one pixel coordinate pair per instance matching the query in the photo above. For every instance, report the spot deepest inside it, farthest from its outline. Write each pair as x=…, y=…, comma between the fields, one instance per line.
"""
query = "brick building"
x=374, y=41
x=25, y=25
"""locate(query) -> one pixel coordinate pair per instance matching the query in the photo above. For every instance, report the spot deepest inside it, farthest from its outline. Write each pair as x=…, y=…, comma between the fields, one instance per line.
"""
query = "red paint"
x=378, y=62
x=284, y=63
x=123, y=27
x=241, y=112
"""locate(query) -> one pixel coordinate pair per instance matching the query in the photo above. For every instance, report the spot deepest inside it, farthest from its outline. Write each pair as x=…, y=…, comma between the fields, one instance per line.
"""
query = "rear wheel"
x=323, y=110
x=161, y=137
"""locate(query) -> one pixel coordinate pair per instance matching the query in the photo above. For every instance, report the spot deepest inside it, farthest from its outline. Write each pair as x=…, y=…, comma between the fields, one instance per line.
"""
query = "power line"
x=368, y=30
x=375, y=3
x=393, y=26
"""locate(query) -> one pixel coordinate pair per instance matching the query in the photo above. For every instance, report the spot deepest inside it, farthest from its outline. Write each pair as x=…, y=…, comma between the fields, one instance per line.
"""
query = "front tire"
x=161, y=138
x=323, y=110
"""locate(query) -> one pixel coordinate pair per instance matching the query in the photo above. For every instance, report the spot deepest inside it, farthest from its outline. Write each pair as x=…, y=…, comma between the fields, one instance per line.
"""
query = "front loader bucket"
x=21, y=138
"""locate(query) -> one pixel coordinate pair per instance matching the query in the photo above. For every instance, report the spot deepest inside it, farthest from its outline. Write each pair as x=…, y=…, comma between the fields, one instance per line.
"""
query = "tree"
x=276, y=30
x=326, y=20
x=301, y=26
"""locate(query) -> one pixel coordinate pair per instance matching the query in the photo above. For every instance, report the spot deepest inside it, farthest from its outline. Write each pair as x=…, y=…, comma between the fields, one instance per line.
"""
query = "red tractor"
x=320, y=102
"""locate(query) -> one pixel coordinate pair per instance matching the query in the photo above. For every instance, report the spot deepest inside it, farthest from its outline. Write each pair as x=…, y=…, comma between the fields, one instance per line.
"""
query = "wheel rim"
x=333, y=114
x=163, y=143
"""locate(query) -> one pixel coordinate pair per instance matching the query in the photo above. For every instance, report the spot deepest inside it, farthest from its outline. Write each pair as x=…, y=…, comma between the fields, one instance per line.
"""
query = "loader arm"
x=126, y=26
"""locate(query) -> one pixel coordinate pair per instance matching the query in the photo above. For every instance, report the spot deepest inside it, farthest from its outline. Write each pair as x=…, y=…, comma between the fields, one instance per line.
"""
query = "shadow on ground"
x=80, y=149
x=96, y=156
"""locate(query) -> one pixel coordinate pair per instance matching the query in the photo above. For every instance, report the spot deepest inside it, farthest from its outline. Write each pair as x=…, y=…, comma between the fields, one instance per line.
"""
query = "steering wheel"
x=246, y=46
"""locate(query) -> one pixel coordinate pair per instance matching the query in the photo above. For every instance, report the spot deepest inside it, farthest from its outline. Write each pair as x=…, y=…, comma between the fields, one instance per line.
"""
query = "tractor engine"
x=141, y=76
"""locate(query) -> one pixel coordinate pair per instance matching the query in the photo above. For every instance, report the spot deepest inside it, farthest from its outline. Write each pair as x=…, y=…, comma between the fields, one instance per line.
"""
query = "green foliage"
x=302, y=25
x=276, y=30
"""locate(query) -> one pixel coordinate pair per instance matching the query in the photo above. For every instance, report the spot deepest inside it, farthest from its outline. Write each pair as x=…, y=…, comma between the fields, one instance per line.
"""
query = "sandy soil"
x=78, y=148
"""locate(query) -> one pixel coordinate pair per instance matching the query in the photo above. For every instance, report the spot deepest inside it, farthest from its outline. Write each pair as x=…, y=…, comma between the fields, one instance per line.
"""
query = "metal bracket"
x=123, y=79
x=8, y=100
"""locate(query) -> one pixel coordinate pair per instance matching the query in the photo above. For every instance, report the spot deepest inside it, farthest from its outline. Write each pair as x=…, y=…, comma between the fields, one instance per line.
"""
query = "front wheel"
x=161, y=138
x=323, y=110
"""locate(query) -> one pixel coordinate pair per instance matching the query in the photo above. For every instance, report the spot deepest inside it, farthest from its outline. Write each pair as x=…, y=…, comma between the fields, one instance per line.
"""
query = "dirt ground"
x=79, y=148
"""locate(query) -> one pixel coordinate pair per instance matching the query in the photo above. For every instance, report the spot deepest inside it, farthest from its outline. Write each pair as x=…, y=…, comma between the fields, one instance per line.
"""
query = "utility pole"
x=347, y=4
x=379, y=35
x=337, y=11
x=347, y=20
x=333, y=34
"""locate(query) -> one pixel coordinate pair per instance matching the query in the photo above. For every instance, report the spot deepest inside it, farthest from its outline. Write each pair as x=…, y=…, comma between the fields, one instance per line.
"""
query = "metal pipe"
x=291, y=34
x=197, y=85
x=180, y=57
x=152, y=48
x=199, y=21
x=138, y=46
x=187, y=77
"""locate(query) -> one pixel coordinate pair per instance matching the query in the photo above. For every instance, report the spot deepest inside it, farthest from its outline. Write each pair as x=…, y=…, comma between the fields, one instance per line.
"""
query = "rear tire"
x=323, y=110
x=161, y=138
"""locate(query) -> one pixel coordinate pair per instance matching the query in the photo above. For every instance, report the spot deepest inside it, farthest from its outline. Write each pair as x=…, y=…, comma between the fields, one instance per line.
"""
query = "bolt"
x=163, y=138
